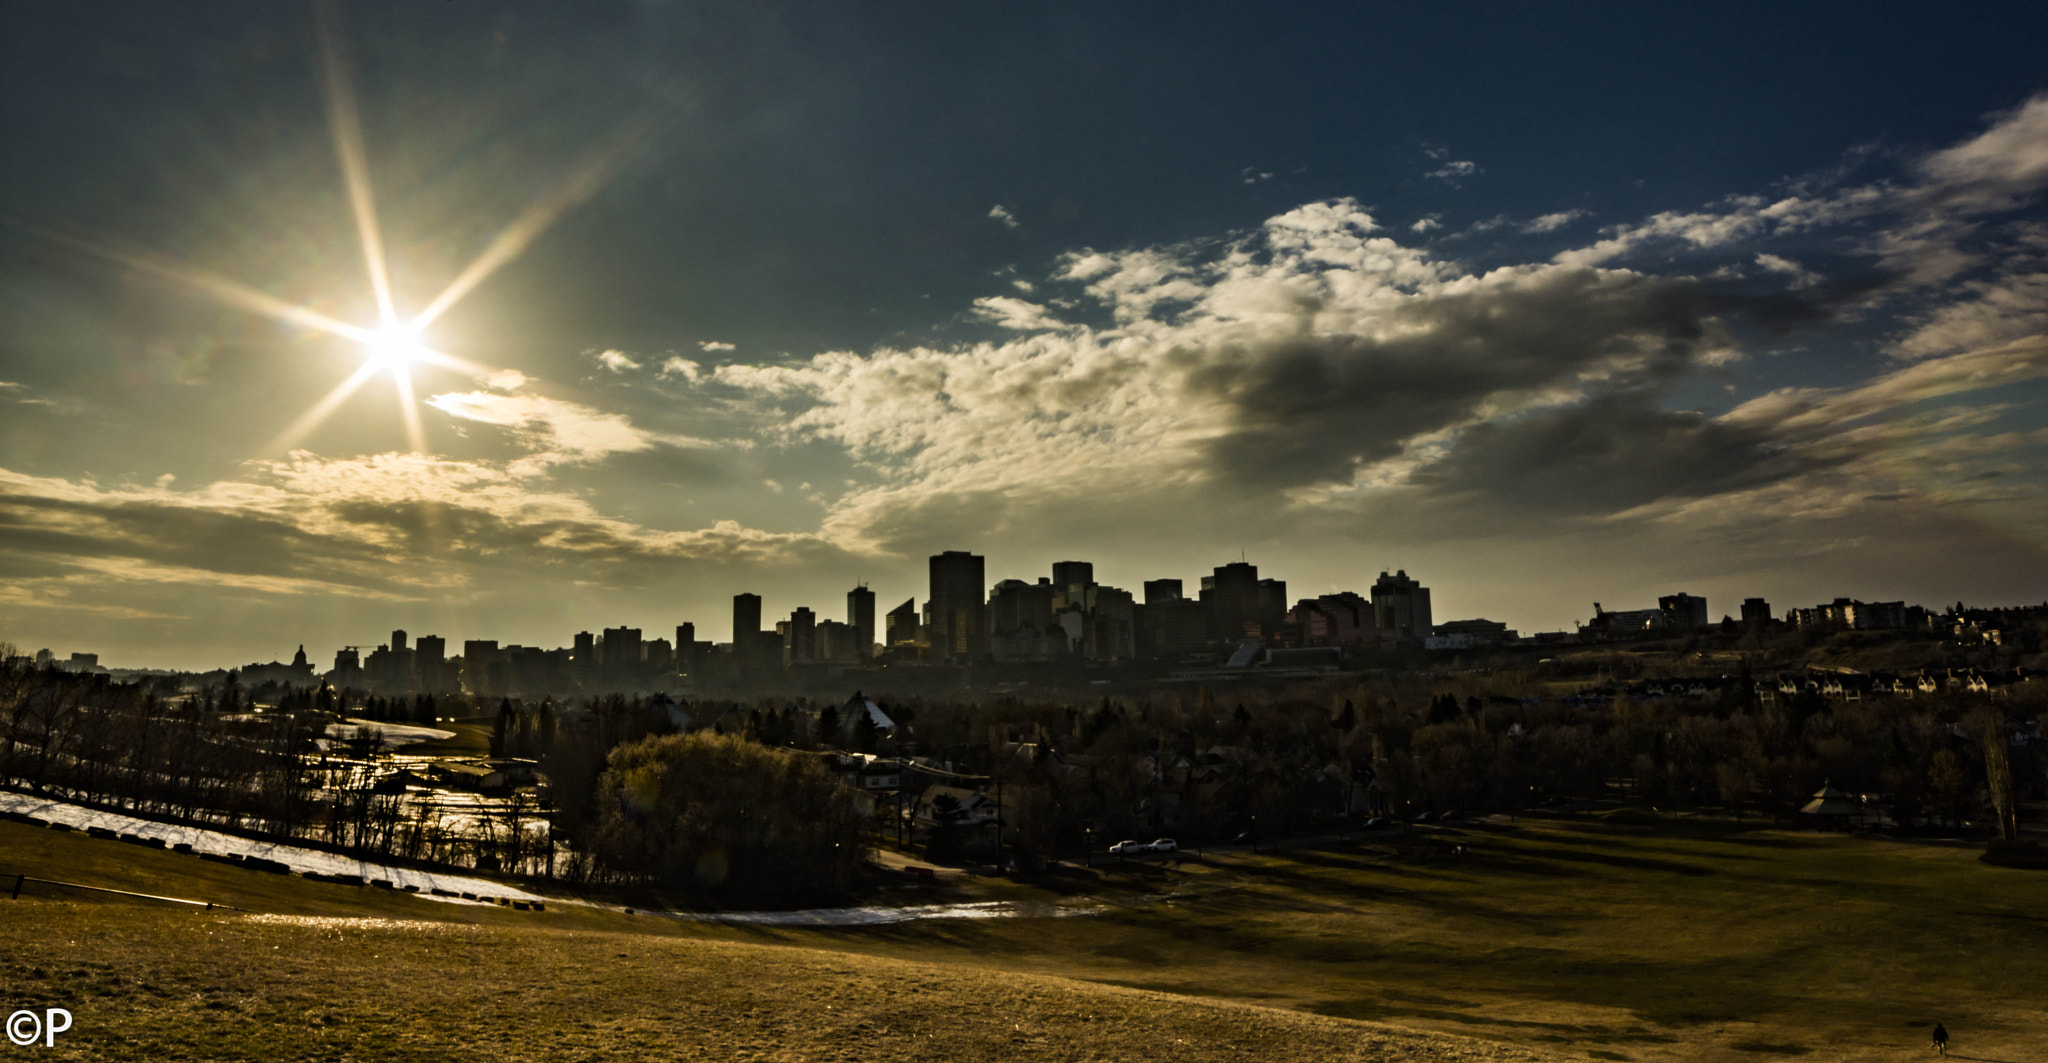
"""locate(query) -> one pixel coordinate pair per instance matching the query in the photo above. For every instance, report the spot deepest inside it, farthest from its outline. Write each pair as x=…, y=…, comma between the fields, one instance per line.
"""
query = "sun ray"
x=409, y=409
x=453, y=363
x=312, y=418
x=232, y=293
x=589, y=175
x=345, y=123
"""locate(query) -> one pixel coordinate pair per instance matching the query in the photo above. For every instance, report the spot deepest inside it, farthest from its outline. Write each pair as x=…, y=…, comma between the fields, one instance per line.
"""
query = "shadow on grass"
x=1380, y=1009
x=1771, y=1048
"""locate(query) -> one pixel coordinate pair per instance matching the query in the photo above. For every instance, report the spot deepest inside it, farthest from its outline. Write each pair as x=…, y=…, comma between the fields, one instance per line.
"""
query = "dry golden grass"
x=156, y=984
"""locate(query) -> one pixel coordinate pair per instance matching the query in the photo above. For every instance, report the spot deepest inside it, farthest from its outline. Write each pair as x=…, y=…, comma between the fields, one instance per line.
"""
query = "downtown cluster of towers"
x=1064, y=616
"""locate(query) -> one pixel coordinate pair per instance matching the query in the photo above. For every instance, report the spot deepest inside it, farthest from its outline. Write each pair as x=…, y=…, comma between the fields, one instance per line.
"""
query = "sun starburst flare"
x=393, y=345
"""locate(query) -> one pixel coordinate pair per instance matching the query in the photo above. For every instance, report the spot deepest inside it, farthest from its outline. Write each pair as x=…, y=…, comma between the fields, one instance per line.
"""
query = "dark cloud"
x=1312, y=409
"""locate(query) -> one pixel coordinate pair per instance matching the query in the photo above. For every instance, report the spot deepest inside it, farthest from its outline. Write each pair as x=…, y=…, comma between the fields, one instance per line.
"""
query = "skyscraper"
x=860, y=615
x=746, y=619
x=959, y=610
x=1231, y=597
x=803, y=629
x=1161, y=590
x=1401, y=606
x=686, y=648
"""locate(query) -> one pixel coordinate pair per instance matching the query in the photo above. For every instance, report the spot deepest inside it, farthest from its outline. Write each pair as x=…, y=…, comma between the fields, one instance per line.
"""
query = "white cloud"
x=1013, y=313
x=615, y=360
x=1426, y=224
x=1549, y=223
x=714, y=345
x=506, y=380
x=1800, y=276
x=1453, y=171
x=1002, y=214
x=677, y=366
x=555, y=431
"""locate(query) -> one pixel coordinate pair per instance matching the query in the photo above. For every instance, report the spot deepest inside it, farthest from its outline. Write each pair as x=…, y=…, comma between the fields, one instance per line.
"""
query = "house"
x=461, y=775
x=866, y=772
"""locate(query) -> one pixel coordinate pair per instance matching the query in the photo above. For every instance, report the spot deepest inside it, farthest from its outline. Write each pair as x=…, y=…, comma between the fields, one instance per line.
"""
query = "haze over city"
x=512, y=321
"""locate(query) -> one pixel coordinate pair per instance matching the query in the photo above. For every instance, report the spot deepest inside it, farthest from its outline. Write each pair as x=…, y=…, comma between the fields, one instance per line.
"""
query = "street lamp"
x=1088, y=844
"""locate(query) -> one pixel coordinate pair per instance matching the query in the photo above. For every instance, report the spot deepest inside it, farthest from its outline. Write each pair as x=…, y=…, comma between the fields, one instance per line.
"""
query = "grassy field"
x=1580, y=938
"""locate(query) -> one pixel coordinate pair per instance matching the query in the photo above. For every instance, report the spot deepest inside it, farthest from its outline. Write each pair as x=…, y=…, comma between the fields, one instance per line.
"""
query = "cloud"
x=1013, y=313
x=2002, y=168
x=555, y=431
x=1800, y=276
x=1451, y=172
x=714, y=345
x=1550, y=223
x=1002, y=214
x=615, y=360
x=679, y=367
x=1424, y=225
x=506, y=380
x=387, y=527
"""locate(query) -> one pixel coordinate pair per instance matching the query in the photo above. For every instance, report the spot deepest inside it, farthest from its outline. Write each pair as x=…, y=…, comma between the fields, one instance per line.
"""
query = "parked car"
x=1427, y=817
x=1163, y=845
x=1127, y=847
x=1378, y=823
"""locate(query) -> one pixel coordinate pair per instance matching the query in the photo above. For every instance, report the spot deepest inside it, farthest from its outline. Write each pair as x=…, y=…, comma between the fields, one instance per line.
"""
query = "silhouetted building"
x=686, y=648
x=746, y=618
x=1756, y=612
x=1335, y=619
x=1272, y=606
x=1015, y=606
x=430, y=664
x=1231, y=595
x=1161, y=590
x=959, y=618
x=801, y=645
x=1070, y=582
x=860, y=615
x=1683, y=611
x=1400, y=606
x=902, y=624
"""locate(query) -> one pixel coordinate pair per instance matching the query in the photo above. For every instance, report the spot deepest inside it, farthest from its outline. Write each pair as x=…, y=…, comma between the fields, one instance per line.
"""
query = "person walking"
x=1940, y=1039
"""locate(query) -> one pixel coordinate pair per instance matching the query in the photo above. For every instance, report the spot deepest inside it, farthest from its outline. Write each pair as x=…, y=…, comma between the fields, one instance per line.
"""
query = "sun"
x=394, y=347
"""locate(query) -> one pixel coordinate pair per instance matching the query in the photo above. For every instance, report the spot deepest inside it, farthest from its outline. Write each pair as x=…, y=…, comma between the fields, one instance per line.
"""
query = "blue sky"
x=1548, y=305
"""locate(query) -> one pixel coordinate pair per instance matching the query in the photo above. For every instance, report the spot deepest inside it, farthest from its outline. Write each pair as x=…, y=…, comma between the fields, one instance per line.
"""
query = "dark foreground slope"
x=155, y=984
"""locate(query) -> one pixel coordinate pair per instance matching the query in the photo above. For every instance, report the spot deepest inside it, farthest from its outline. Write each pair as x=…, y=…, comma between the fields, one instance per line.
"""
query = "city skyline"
x=344, y=318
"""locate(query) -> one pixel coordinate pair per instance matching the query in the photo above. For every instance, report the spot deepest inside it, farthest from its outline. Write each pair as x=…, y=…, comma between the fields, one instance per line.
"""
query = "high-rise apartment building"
x=959, y=624
x=802, y=644
x=686, y=648
x=1161, y=590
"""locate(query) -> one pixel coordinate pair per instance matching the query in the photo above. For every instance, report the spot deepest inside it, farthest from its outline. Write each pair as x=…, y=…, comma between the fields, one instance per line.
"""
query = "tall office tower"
x=860, y=615
x=397, y=641
x=746, y=619
x=586, y=652
x=1272, y=606
x=1400, y=606
x=1161, y=590
x=902, y=624
x=1683, y=611
x=686, y=648
x=1755, y=612
x=959, y=606
x=803, y=634
x=1231, y=596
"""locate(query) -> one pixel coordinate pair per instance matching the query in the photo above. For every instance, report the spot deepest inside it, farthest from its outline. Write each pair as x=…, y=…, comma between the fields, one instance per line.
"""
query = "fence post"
x=18, y=880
